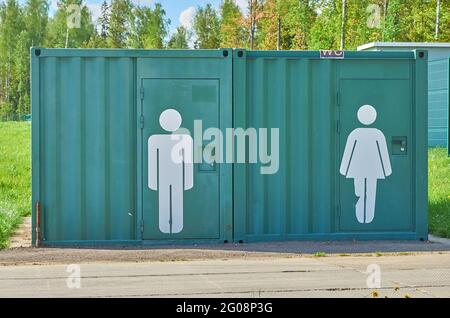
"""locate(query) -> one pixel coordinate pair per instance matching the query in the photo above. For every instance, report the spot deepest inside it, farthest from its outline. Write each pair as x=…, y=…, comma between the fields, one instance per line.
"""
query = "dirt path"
x=22, y=236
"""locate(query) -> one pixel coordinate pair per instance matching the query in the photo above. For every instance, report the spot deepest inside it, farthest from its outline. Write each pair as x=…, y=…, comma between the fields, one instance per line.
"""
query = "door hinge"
x=141, y=121
x=142, y=92
x=142, y=226
x=338, y=126
x=338, y=99
x=338, y=210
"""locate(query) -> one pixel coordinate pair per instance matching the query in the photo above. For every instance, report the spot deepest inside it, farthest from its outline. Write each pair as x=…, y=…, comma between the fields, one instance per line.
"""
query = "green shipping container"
x=265, y=146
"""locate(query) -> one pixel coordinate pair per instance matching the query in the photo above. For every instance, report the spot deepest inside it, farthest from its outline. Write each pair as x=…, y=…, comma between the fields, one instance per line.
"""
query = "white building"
x=436, y=51
x=438, y=85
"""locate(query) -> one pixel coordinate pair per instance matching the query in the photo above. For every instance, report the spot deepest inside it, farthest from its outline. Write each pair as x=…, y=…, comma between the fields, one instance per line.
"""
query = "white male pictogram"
x=170, y=170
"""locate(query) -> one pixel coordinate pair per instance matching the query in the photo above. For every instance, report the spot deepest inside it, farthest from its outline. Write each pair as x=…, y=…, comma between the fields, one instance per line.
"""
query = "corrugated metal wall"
x=438, y=103
x=87, y=135
x=278, y=92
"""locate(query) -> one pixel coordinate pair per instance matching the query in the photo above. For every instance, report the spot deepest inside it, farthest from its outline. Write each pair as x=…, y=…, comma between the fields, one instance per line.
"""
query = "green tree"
x=180, y=39
x=267, y=24
x=444, y=19
x=120, y=23
x=333, y=28
x=11, y=26
x=232, y=27
x=392, y=28
x=252, y=21
x=285, y=24
x=22, y=73
x=36, y=19
x=33, y=34
x=207, y=28
x=103, y=20
x=364, y=22
x=20, y=28
x=419, y=21
x=267, y=30
x=71, y=26
x=298, y=17
x=100, y=37
x=326, y=30
x=150, y=27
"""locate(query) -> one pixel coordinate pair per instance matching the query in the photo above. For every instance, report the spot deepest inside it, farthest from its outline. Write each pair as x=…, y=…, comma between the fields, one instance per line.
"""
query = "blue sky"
x=178, y=11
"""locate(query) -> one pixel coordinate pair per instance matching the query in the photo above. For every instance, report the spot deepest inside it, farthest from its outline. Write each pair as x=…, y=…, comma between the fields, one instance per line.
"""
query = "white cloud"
x=187, y=17
x=96, y=10
x=242, y=4
x=53, y=5
x=142, y=3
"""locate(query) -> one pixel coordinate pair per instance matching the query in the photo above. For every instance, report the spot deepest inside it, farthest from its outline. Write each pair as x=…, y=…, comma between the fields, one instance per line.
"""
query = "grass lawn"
x=15, y=176
x=439, y=192
x=15, y=182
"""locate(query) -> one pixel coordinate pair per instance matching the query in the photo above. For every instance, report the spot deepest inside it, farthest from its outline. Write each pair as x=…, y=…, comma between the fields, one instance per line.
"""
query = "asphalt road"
x=421, y=275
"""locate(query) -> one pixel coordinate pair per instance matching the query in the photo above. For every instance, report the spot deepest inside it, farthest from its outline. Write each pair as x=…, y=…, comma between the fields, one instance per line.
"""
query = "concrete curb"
x=440, y=240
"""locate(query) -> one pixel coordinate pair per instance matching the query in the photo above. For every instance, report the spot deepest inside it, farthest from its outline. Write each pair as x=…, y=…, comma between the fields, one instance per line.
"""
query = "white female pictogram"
x=366, y=159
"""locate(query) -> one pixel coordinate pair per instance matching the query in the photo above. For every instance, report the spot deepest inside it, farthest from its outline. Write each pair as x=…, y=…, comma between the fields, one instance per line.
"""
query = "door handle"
x=400, y=145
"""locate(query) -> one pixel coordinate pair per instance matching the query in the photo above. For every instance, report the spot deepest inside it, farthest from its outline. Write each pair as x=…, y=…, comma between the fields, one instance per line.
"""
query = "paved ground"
x=421, y=275
x=47, y=256
x=278, y=269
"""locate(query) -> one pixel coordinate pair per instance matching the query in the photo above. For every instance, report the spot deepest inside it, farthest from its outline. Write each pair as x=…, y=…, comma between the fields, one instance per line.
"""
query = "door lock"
x=399, y=145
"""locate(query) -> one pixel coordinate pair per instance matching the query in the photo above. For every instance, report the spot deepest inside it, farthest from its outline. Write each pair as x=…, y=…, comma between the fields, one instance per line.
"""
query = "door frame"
x=419, y=141
x=220, y=69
